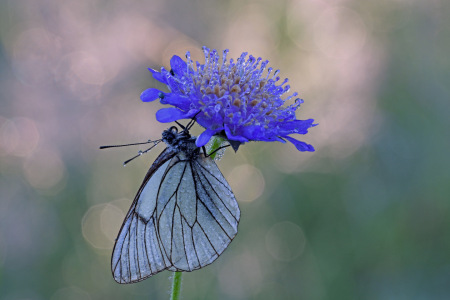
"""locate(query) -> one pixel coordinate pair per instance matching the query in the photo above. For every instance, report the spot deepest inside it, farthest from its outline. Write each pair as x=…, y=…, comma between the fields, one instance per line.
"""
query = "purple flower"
x=232, y=99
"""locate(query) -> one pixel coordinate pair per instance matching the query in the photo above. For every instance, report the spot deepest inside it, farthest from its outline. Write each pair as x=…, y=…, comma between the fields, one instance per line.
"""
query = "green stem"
x=176, y=286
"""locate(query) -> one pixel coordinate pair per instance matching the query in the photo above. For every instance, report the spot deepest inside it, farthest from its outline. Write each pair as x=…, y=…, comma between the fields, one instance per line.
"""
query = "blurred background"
x=366, y=216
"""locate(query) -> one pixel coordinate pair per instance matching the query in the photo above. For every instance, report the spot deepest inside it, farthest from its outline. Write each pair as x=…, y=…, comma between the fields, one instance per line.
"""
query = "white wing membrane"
x=184, y=216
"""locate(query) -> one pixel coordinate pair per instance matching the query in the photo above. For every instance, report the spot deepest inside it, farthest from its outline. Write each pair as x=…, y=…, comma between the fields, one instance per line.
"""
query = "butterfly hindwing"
x=183, y=217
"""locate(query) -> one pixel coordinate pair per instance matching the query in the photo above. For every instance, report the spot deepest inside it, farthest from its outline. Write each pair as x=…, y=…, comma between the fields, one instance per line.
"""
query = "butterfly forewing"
x=183, y=217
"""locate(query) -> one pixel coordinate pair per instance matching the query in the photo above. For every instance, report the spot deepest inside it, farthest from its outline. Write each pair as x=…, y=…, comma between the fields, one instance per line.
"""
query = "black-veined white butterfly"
x=183, y=217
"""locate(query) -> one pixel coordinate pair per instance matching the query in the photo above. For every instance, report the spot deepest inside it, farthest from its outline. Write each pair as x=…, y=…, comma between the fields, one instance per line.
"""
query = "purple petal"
x=158, y=76
x=208, y=119
x=297, y=126
x=150, y=95
x=174, y=85
x=182, y=102
x=277, y=138
x=230, y=136
x=301, y=146
x=204, y=137
x=190, y=114
x=167, y=115
x=178, y=65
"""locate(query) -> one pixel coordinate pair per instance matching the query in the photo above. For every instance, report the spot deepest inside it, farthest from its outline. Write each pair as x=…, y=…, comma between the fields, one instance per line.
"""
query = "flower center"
x=237, y=89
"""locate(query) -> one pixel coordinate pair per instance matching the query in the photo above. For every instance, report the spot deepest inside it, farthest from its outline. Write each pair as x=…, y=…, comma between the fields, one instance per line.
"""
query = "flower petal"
x=204, y=137
x=181, y=102
x=150, y=95
x=170, y=114
x=178, y=65
x=192, y=113
x=301, y=146
x=174, y=85
x=158, y=76
x=232, y=137
x=296, y=126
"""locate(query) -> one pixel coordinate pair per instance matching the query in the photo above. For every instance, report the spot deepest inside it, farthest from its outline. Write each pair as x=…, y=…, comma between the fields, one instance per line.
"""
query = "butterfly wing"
x=137, y=252
x=183, y=217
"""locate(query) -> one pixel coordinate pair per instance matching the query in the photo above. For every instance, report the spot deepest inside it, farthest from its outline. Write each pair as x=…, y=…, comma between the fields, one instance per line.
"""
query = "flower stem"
x=176, y=286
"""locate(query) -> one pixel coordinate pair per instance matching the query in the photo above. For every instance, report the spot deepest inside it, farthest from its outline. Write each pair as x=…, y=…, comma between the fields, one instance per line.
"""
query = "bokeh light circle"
x=100, y=225
x=247, y=182
x=285, y=241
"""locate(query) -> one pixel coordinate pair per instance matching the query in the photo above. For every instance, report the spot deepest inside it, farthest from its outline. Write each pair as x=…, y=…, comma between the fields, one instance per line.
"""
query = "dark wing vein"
x=200, y=226
x=202, y=169
x=169, y=168
x=125, y=262
x=213, y=216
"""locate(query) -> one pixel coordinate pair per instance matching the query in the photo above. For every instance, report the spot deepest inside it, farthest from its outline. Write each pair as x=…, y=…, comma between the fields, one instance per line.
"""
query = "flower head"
x=232, y=99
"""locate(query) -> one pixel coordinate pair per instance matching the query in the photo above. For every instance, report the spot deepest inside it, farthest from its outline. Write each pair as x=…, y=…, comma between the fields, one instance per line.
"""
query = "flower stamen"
x=235, y=89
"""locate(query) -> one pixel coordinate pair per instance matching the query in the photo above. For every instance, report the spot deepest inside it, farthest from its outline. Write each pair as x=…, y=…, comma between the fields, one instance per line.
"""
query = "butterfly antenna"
x=190, y=124
x=133, y=144
x=181, y=125
x=192, y=121
x=142, y=152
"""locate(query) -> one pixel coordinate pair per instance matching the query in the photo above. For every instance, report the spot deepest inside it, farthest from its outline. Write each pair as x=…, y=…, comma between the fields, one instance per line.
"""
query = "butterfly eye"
x=173, y=129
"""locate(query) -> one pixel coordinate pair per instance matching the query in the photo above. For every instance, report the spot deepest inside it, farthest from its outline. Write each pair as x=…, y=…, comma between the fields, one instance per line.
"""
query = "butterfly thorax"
x=181, y=142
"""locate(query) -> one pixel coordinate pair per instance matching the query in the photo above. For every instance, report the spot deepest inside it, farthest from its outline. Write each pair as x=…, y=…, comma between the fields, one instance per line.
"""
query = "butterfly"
x=183, y=216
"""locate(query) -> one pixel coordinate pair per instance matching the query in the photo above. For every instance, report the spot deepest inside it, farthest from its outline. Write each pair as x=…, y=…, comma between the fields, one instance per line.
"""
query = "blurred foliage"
x=364, y=217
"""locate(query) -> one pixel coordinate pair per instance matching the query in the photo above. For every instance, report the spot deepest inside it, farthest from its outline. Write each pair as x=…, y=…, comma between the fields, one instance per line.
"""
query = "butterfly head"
x=180, y=141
